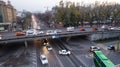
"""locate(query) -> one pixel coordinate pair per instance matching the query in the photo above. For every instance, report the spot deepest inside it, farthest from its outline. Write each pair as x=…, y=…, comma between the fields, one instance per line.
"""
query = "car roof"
x=42, y=55
x=93, y=46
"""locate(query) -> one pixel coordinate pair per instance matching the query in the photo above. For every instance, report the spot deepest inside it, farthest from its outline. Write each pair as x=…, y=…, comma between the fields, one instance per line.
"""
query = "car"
x=70, y=29
x=82, y=29
x=105, y=27
x=49, y=47
x=49, y=32
x=43, y=59
x=94, y=48
x=64, y=52
x=31, y=32
x=40, y=32
x=114, y=28
x=45, y=42
x=58, y=31
x=94, y=28
x=20, y=34
x=110, y=47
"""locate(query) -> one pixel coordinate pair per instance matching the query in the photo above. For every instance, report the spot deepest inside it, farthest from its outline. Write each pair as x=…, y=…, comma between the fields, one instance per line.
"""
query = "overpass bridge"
x=52, y=36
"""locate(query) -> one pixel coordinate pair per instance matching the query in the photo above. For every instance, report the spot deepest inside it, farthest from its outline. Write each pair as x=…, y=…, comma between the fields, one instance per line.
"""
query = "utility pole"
x=117, y=46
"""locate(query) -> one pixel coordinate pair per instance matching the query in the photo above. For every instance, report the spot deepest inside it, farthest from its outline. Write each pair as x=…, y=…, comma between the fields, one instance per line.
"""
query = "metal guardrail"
x=66, y=34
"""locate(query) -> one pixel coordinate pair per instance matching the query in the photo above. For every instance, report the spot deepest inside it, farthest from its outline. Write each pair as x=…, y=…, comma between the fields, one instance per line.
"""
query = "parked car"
x=64, y=52
x=49, y=47
x=43, y=59
x=70, y=29
x=94, y=48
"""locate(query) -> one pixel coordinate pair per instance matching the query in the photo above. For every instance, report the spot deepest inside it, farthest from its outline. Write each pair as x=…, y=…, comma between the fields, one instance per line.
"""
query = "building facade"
x=7, y=15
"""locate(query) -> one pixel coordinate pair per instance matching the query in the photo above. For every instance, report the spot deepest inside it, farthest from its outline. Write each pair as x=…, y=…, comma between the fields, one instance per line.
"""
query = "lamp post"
x=110, y=20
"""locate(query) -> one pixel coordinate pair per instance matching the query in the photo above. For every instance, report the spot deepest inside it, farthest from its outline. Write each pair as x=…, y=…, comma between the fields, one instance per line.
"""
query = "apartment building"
x=7, y=15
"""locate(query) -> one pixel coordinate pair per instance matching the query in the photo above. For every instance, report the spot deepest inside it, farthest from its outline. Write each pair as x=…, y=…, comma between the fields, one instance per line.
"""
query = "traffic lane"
x=113, y=56
x=64, y=31
x=80, y=48
x=51, y=57
x=64, y=60
x=37, y=44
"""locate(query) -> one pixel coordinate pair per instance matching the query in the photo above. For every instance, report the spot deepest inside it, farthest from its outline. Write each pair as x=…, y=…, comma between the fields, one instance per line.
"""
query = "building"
x=7, y=16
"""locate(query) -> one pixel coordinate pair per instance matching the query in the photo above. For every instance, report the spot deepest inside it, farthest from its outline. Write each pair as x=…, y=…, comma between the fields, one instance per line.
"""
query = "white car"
x=58, y=31
x=43, y=59
x=31, y=32
x=94, y=48
x=114, y=28
x=40, y=32
x=105, y=27
x=49, y=32
x=64, y=52
x=49, y=47
x=69, y=29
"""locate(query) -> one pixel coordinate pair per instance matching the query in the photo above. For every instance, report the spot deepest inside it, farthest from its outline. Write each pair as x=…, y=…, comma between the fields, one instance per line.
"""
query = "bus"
x=101, y=60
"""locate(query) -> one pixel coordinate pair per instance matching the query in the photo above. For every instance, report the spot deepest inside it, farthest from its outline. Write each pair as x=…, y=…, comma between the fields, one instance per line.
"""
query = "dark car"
x=111, y=47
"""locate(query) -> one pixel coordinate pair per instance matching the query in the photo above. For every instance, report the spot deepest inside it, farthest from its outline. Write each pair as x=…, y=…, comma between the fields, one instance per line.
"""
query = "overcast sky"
x=41, y=5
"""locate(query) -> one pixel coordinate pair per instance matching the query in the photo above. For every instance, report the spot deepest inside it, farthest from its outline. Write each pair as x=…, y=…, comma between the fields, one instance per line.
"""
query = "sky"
x=41, y=5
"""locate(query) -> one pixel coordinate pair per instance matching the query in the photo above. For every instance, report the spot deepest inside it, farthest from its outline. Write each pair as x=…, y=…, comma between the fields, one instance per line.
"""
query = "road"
x=8, y=35
x=80, y=48
x=112, y=55
x=17, y=55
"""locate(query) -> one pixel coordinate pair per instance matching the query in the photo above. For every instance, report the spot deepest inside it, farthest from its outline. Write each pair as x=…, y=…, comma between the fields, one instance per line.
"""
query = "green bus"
x=101, y=60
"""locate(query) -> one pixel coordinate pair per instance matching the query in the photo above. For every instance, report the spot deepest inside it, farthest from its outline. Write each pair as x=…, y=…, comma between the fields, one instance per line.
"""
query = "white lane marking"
x=34, y=63
x=34, y=59
x=4, y=62
x=58, y=60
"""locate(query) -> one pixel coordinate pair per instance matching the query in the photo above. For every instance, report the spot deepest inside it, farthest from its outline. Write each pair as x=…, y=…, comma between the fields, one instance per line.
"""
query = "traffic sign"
x=55, y=36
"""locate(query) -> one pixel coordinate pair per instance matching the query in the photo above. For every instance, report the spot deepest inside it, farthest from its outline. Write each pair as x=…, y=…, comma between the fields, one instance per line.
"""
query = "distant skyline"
x=41, y=5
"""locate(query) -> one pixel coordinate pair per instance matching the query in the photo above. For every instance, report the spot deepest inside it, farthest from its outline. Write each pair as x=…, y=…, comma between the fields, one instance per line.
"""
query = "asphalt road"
x=17, y=55
x=7, y=35
x=112, y=55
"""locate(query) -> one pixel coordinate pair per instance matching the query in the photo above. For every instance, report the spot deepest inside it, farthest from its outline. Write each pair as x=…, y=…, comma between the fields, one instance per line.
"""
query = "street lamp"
x=110, y=20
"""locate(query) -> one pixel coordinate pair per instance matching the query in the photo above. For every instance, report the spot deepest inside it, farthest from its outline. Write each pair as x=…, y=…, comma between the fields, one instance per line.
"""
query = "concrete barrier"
x=94, y=37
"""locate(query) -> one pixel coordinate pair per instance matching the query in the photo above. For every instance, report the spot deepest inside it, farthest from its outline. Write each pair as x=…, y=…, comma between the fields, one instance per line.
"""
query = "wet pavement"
x=17, y=55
